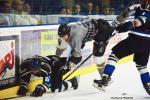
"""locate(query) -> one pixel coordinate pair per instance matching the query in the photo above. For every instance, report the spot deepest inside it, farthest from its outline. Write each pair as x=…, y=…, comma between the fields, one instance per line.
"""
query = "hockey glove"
x=39, y=91
x=75, y=60
x=22, y=89
x=124, y=27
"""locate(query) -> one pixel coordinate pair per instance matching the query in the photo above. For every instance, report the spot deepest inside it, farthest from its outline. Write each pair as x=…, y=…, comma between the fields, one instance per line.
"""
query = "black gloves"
x=75, y=60
x=22, y=89
x=124, y=27
x=39, y=91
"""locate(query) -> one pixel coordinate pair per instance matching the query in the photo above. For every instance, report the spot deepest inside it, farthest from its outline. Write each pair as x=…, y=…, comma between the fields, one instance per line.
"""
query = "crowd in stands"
x=27, y=12
x=90, y=10
x=16, y=13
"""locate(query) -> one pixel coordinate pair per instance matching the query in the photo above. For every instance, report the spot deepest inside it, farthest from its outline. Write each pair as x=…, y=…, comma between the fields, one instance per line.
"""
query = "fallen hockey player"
x=51, y=68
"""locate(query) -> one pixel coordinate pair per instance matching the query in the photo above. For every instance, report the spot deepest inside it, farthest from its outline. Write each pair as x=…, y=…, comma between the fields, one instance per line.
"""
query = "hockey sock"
x=101, y=70
x=100, y=62
x=145, y=77
x=110, y=67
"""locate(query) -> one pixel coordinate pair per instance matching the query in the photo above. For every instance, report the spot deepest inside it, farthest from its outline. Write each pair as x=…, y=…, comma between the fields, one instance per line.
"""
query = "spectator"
x=66, y=11
x=69, y=11
x=97, y=10
x=5, y=10
x=106, y=10
x=5, y=6
x=27, y=8
x=18, y=7
x=34, y=19
x=63, y=11
x=90, y=10
x=77, y=10
x=22, y=17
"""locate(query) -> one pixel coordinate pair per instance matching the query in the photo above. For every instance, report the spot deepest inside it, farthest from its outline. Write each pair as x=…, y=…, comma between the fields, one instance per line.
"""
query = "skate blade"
x=100, y=88
x=110, y=82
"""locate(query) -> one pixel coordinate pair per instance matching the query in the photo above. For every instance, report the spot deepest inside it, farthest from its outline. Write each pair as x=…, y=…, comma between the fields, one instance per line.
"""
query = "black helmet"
x=35, y=62
x=39, y=63
x=63, y=30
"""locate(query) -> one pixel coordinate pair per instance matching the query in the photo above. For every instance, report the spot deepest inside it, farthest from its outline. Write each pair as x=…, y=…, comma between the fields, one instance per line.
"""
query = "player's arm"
x=62, y=46
x=42, y=88
x=76, y=43
x=23, y=82
x=139, y=21
x=121, y=18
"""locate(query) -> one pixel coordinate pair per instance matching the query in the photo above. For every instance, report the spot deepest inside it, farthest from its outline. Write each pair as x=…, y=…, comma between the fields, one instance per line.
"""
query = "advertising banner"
x=38, y=42
x=48, y=42
x=9, y=62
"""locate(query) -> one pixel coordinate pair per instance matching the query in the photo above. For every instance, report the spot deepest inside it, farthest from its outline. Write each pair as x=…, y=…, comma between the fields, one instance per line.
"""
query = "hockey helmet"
x=35, y=62
x=39, y=63
x=63, y=30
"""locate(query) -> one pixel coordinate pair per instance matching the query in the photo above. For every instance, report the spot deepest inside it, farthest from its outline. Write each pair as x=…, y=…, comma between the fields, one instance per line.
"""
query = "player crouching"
x=51, y=68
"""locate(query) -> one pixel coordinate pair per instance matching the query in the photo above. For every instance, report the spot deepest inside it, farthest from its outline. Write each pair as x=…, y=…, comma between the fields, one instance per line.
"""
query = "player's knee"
x=100, y=61
x=99, y=48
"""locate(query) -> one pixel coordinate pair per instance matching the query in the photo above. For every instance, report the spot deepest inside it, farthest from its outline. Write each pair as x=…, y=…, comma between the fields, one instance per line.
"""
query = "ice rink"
x=126, y=86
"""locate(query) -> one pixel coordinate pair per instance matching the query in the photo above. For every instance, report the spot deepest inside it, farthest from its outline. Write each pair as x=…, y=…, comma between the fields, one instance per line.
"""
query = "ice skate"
x=101, y=84
x=74, y=83
x=147, y=87
x=65, y=84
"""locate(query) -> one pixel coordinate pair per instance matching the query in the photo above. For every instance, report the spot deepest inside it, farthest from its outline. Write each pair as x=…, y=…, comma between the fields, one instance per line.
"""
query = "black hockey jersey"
x=144, y=16
x=49, y=66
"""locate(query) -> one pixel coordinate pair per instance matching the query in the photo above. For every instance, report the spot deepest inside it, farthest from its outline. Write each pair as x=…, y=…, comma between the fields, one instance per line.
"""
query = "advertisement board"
x=48, y=42
x=9, y=53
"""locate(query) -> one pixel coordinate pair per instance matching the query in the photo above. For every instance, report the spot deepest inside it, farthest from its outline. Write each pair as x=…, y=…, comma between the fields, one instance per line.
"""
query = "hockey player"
x=77, y=34
x=137, y=43
x=50, y=68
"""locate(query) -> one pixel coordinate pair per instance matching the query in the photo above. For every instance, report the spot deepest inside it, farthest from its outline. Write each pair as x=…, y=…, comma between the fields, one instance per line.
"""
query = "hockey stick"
x=78, y=66
x=114, y=32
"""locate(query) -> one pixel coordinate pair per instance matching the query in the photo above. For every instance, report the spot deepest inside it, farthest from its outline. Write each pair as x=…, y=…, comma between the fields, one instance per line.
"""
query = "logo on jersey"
x=143, y=13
